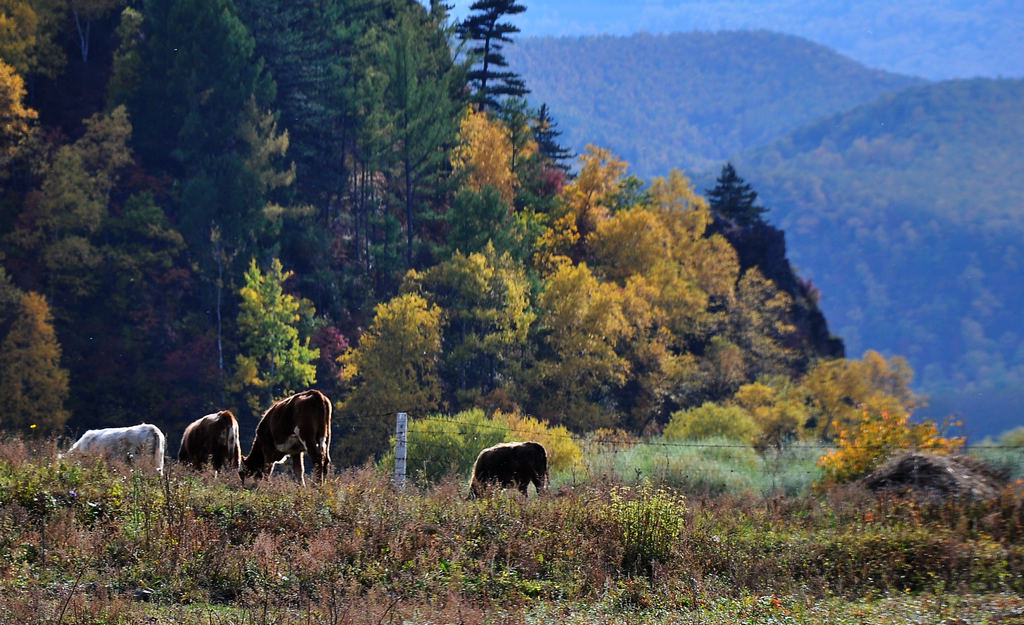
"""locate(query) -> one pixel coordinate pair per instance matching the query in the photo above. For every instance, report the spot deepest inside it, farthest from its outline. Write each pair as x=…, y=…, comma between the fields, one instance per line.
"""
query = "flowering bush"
x=865, y=445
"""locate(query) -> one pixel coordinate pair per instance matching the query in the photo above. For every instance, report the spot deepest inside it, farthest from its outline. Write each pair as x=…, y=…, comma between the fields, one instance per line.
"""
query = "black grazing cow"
x=510, y=464
x=213, y=439
x=292, y=426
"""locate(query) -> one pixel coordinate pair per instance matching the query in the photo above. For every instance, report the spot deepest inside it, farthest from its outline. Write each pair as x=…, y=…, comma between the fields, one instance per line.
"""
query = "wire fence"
x=465, y=427
x=438, y=445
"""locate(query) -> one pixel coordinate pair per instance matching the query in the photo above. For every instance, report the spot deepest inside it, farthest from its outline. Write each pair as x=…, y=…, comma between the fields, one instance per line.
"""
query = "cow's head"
x=249, y=467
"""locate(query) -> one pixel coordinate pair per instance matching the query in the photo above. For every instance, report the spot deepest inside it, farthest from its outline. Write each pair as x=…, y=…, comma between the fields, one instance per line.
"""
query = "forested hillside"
x=690, y=100
x=908, y=213
x=938, y=40
x=214, y=204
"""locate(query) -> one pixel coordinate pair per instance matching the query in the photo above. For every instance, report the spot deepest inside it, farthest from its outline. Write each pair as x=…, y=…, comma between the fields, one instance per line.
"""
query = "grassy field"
x=93, y=544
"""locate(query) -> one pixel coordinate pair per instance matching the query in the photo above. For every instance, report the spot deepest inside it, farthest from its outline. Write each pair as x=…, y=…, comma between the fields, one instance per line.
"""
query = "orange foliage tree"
x=878, y=435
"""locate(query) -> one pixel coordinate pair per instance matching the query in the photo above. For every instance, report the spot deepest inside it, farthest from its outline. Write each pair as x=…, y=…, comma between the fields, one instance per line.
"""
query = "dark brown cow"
x=510, y=464
x=212, y=439
x=292, y=426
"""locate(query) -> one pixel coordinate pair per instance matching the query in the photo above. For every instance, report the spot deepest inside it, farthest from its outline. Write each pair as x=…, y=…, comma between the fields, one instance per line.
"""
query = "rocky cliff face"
x=764, y=246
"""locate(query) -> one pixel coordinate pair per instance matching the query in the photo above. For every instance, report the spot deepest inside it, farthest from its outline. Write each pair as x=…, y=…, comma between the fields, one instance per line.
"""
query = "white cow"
x=142, y=444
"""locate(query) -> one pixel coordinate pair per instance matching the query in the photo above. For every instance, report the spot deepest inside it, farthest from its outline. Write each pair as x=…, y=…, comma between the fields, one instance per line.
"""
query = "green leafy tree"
x=486, y=302
x=58, y=230
x=734, y=200
x=126, y=65
x=33, y=385
x=274, y=361
x=487, y=35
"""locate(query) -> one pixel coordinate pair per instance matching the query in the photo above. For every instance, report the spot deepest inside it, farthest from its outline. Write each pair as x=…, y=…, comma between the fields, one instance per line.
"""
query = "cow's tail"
x=324, y=441
x=156, y=445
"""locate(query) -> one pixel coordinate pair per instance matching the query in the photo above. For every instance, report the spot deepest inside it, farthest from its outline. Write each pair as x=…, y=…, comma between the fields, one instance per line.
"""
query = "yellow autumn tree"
x=760, y=321
x=582, y=322
x=487, y=315
x=840, y=391
x=630, y=243
x=684, y=212
x=585, y=205
x=394, y=368
x=877, y=436
x=484, y=154
x=778, y=407
x=33, y=385
x=29, y=30
x=15, y=118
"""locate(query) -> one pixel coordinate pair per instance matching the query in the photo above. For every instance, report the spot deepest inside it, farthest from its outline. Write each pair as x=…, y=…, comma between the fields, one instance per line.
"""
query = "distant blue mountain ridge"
x=901, y=199
x=933, y=39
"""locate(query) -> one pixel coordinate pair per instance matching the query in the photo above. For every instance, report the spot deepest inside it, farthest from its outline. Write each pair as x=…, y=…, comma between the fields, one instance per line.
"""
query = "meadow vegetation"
x=95, y=543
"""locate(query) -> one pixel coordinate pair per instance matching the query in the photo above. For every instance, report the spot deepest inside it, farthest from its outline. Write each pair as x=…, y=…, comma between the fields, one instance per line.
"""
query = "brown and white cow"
x=212, y=439
x=291, y=427
x=141, y=445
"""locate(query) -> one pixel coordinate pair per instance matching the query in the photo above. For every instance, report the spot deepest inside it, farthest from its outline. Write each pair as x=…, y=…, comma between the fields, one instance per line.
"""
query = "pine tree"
x=488, y=36
x=546, y=135
x=202, y=68
x=733, y=199
x=425, y=121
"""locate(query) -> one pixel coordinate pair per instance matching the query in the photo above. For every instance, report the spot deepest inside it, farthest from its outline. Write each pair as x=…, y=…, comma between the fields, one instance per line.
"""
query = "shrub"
x=441, y=444
x=712, y=420
x=564, y=453
x=648, y=521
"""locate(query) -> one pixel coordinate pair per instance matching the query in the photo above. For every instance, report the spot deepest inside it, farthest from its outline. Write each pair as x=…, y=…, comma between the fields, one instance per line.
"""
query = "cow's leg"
x=321, y=463
x=298, y=468
x=319, y=453
x=325, y=462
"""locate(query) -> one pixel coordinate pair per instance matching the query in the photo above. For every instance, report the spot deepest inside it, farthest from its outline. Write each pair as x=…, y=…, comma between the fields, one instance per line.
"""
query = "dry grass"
x=99, y=544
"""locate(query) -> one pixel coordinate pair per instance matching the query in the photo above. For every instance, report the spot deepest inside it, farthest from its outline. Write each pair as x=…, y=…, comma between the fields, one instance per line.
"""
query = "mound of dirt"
x=936, y=477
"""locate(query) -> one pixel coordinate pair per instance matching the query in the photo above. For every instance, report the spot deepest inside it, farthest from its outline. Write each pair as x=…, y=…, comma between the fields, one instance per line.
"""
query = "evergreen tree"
x=421, y=79
x=733, y=199
x=546, y=135
x=202, y=69
x=488, y=36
